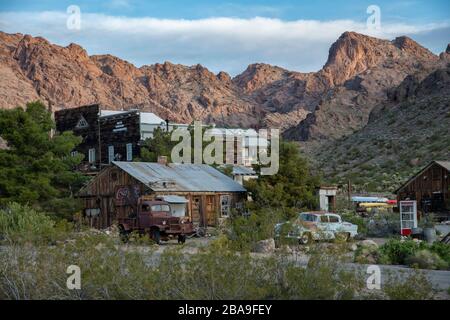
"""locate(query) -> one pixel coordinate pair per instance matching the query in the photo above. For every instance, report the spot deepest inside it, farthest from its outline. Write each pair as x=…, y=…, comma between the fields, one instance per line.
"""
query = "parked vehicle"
x=309, y=226
x=154, y=218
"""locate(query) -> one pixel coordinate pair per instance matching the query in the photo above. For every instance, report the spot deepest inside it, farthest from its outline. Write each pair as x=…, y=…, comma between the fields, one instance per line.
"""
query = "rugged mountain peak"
x=258, y=75
x=115, y=67
x=448, y=49
x=224, y=77
x=351, y=54
x=408, y=45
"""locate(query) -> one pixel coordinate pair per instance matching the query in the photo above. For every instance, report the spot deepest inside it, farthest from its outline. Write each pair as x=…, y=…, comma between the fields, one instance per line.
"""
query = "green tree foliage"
x=37, y=169
x=159, y=145
x=294, y=185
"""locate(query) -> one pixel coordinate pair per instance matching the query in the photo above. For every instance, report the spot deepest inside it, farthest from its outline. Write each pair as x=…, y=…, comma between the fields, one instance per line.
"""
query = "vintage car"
x=310, y=226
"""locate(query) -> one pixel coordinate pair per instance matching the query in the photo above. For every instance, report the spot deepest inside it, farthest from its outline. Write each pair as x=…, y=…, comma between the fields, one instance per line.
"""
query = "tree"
x=37, y=168
x=159, y=145
x=294, y=185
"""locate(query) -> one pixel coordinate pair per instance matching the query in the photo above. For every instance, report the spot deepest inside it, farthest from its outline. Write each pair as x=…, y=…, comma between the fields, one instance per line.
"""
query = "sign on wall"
x=126, y=195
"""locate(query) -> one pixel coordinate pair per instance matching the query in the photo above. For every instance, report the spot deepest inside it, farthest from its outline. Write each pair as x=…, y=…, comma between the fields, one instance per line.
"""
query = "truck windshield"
x=161, y=207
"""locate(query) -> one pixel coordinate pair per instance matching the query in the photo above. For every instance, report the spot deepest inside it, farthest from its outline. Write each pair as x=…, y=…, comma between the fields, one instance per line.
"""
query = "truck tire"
x=181, y=238
x=156, y=236
x=123, y=234
x=305, y=239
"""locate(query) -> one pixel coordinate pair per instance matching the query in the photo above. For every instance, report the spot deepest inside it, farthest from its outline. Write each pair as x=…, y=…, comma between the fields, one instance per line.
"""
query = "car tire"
x=156, y=236
x=344, y=236
x=305, y=239
x=181, y=238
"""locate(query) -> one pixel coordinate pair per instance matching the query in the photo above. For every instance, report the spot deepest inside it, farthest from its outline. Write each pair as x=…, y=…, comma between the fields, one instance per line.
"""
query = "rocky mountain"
x=336, y=100
x=402, y=135
x=360, y=71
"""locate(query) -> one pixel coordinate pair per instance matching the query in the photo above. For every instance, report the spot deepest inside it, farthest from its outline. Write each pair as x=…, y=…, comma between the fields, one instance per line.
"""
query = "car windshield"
x=161, y=207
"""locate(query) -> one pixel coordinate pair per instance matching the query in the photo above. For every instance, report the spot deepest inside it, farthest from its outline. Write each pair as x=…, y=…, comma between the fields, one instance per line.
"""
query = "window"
x=129, y=151
x=110, y=154
x=91, y=155
x=308, y=217
x=161, y=208
x=74, y=153
x=145, y=208
x=324, y=219
x=225, y=205
x=333, y=219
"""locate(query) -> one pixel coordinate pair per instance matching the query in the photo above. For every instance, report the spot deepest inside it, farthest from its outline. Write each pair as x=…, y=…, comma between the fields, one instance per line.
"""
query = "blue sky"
x=225, y=35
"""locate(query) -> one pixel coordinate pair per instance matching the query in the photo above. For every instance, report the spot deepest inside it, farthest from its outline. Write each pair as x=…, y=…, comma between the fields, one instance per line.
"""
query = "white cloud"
x=228, y=44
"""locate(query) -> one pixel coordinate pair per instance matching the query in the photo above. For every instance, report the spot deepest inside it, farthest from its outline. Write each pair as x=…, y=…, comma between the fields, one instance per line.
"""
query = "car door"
x=334, y=224
x=144, y=216
x=322, y=227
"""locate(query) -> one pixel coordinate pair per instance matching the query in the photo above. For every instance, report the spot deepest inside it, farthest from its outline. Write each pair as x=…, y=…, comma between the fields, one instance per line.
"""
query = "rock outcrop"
x=360, y=73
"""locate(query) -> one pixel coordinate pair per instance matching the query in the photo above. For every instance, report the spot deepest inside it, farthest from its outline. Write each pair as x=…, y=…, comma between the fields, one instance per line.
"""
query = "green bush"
x=245, y=231
x=414, y=287
x=397, y=251
x=443, y=250
x=20, y=223
x=425, y=259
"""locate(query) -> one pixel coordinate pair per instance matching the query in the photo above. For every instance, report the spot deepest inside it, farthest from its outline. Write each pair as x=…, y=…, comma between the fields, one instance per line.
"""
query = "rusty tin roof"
x=180, y=177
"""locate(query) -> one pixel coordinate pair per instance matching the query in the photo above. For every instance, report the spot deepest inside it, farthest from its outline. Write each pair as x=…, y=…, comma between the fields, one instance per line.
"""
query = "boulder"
x=369, y=243
x=265, y=246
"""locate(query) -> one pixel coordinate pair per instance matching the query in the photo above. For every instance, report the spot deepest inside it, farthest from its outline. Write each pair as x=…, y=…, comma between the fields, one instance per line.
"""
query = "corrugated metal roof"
x=445, y=164
x=174, y=199
x=243, y=171
x=151, y=118
x=180, y=177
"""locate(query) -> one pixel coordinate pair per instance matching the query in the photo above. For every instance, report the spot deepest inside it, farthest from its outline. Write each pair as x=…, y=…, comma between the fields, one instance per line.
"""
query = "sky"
x=225, y=35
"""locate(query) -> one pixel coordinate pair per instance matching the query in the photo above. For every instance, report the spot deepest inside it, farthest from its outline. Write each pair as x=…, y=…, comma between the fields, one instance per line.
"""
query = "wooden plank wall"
x=433, y=179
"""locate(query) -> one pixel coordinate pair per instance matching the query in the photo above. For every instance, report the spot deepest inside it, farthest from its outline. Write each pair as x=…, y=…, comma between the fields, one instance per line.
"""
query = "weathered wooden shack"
x=429, y=187
x=106, y=136
x=210, y=194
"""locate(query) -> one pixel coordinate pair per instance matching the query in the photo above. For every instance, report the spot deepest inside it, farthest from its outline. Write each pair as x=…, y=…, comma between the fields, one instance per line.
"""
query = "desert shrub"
x=21, y=223
x=425, y=259
x=321, y=279
x=397, y=251
x=39, y=272
x=443, y=250
x=414, y=287
x=245, y=231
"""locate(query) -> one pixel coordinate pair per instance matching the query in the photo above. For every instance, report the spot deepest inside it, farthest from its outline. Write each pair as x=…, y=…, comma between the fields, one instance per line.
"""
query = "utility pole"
x=99, y=143
x=349, y=190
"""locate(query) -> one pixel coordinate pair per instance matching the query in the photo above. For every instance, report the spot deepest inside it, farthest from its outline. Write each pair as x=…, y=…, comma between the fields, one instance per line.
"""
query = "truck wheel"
x=156, y=236
x=181, y=238
x=123, y=234
x=305, y=239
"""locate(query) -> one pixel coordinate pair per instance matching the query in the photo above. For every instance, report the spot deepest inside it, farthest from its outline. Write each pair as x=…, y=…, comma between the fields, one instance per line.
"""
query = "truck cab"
x=153, y=217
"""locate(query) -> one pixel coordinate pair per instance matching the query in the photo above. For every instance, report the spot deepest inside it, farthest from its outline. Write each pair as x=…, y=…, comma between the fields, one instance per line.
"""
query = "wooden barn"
x=430, y=188
x=210, y=195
